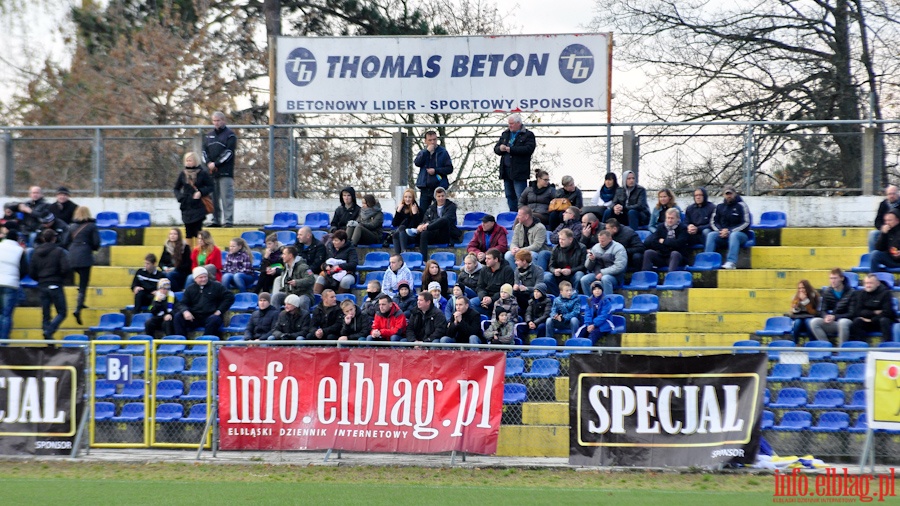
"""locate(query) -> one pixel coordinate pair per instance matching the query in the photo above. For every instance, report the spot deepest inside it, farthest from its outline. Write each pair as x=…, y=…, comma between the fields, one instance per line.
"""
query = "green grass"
x=73, y=483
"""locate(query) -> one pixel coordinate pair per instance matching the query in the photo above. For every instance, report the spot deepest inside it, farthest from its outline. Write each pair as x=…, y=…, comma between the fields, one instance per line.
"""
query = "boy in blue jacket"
x=566, y=310
x=405, y=299
x=599, y=313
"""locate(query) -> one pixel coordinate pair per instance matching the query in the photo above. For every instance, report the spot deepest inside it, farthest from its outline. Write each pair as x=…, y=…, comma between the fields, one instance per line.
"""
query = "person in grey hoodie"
x=630, y=203
x=606, y=262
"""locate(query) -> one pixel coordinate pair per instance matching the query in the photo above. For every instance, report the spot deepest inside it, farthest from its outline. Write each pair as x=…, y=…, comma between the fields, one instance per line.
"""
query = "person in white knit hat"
x=204, y=305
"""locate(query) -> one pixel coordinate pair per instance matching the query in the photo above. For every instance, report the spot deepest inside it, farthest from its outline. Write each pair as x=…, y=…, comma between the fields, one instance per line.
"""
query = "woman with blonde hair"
x=238, y=270
x=408, y=215
x=665, y=200
x=82, y=242
x=192, y=185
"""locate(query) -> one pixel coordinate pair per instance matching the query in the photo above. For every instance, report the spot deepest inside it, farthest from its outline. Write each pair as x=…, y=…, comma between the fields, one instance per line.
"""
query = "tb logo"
x=300, y=67
x=576, y=63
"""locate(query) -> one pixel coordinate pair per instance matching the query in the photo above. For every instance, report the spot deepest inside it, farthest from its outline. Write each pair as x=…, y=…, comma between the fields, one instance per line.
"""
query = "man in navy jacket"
x=434, y=168
x=730, y=223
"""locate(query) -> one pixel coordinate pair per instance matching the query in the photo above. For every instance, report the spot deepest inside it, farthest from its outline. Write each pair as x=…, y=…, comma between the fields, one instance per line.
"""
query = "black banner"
x=649, y=411
x=41, y=399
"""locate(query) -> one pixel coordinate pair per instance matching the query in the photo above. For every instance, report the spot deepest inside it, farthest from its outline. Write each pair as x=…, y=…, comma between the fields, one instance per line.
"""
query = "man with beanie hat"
x=501, y=329
x=63, y=208
x=262, y=320
x=49, y=267
x=507, y=302
x=293, y=323
x=405, y=298
x=204, y=304
x=440, y=301
x=538, y=310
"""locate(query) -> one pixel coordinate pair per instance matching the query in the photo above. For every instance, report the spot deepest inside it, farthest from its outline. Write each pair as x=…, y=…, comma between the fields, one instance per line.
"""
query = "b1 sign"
x=360, y=400
x=443, y=74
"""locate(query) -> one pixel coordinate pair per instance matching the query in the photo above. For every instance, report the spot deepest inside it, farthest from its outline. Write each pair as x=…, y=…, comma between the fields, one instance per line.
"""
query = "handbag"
x=207, y=203
x=560, y=204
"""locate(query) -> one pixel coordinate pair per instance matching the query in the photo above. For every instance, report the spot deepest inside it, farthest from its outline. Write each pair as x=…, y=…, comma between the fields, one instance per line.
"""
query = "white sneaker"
x=412, y=232
x=729, y=265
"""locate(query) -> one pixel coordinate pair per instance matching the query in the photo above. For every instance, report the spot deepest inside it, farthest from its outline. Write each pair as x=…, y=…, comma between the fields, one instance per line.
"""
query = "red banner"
x=366, y=400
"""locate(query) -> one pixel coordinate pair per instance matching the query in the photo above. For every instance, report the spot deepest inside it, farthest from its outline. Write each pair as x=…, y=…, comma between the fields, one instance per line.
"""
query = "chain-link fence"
x=316, y=161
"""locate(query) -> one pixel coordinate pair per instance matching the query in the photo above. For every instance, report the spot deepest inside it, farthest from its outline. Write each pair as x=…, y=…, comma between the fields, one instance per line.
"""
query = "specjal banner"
x=365, y=400
x=470, y=74
x=649, y=411
x=41, y=399
x=883, y=390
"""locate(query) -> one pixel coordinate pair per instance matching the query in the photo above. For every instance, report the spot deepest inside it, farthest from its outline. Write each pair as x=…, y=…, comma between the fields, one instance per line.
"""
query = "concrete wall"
x=801, y=211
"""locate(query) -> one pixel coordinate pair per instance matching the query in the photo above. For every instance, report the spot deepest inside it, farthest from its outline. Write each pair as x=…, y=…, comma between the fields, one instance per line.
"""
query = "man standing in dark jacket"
x=49, y=267
x=873, y=310
x=697, y=217
x=293, y=323
x=439, y=223
x=204, y=304
x=730, y=223
x=426, y=323
x=515, y=147
x=668, y=245
x=219, y=147
x=434, y=166
x=465, y=324
x=495, y=274
x=628, y=238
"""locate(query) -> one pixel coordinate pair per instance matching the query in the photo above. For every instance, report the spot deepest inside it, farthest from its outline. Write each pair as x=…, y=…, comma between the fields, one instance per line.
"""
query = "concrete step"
x=533, y=441
x=545, y=413
x=675, y=339
x=113, y=276
x=737, y=323
x=774, y=278
x=30, y=318
x=799, y=257
x=131, y=256
x=735, y=300
x=157, y=236
x=844, y=237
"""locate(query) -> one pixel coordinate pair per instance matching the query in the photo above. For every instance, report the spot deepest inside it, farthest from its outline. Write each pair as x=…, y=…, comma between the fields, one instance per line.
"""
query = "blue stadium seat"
x=167, y=390
x=617, y=302
x=540, y=341
x=855, y=373
x=283, y=221
x=132, y=391
x=827, y=398
x=245, y=301
x=137, y=323
x=506, y=220
x=642, y=281
x=317, y=221
x=413, y=260
x=256, y=262
x=75, y=340
x=865, y=262
x=886, y=278
x=104, y=349
x=861, y=426
x=767, y=397
x=645, y=303
x=771, y=219
x=745, y=343
x=832, y=421
x=104, y=389
x=372, y=276
x=677, y=280
x=103, y=411
x=816, y=356
x=578, y=342
x=341, y=297
x=452, y=279
x=543, y=368
x=198, y=367
x=445, y=259
x=794, y=421
x=109, y=322
x=286, y=237
x=107, y=219
x=773, y=352
x=131, y=412
x=466, y=239
x=375, y=261
x=845, y=354
x=471, y=220
x=514, y=393
x=768, y=420
x=777, y=326
x=320, y=234
x=821, y=372
x=108, y=238
x=197, y=414
x=643, y=234
x=237, y=324
x=857, y=401
x=199, y=349
x=711, y=261
x=789, y=398
x=618, y=324
x=172, y=348
x=168, y=366
x=169, y=412
x=254, y=238
x=138, y=366
x=515, y=367
x=388, y=223
x=138, y=346
x=785, y=372
x=196, y=392
x=890, y=345
x=136, y=219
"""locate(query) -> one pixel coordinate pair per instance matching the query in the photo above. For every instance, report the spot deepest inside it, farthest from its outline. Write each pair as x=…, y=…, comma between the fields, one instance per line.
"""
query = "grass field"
x=74, y=483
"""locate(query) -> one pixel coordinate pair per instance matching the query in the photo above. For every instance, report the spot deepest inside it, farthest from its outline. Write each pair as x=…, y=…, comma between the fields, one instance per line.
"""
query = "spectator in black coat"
x=145, y=283
x=697, y=217
x=439, y=223
x=630, y=204
x=192, y=185
x=408, y=215
x=162, y=305
x=348, y=210
x=262, y=321
x=326, y=319
x=82, y=241
x=49, y=267
x=464, y=325
x=293, y=323
x=355, y=324
x=426, y=323
x=63, y=208
x=495, y=274
x=668, y=244
x=630, y=240
x=873, y=310
x=204, y=304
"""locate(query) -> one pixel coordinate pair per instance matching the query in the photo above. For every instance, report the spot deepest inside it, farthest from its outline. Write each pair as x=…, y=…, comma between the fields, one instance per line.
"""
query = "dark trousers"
x=9, y=298
x=859, y=328
x=142, y=300
x=158, y=324
x=212, y=324
x=57, y=298
x=655, y=258
x=436, y=235
x=84, y=279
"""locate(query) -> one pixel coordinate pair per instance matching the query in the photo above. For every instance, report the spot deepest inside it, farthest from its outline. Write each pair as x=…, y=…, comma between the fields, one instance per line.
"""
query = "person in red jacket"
x=389, y=323
x=488, y=235
x=206, y=253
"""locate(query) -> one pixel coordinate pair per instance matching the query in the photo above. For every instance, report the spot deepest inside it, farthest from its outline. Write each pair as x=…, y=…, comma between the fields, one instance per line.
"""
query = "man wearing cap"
x=262, y=320
x=434, y=166
x=63, y=208
x=396, y=272
x=293, y=323
x=426, y=323
x=204, y=304
x=13, y=267
x=729, y=222
x=488, y=235
x=48, y=221
x=464, y=325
